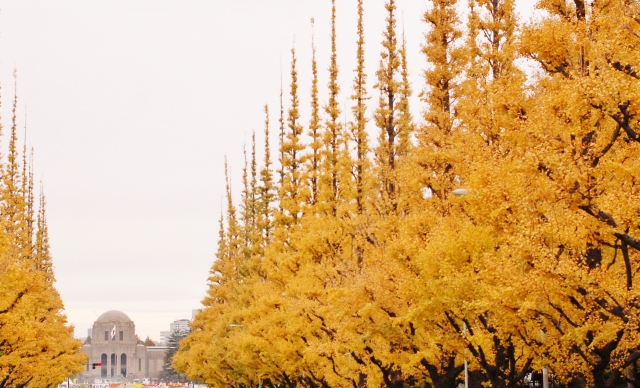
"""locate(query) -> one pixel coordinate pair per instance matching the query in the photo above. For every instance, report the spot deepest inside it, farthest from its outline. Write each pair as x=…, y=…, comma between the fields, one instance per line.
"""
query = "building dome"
x=113, y=316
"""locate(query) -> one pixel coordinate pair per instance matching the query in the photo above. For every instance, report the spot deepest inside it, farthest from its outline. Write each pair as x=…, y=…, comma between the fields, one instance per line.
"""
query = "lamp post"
x=466, y=370
x=460, y=192
x=545, y=376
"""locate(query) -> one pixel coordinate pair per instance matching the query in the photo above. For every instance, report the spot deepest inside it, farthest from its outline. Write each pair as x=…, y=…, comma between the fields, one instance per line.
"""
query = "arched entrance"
x=123, y=365
x=114, y=359
x=103, y=368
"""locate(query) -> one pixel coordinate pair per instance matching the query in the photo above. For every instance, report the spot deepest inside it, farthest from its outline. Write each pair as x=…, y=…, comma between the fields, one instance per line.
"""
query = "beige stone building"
x=114, y=345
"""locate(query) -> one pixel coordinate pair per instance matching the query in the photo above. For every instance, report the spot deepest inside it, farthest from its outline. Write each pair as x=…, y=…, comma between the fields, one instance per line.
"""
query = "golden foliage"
x=37, y=348
x=388, y=276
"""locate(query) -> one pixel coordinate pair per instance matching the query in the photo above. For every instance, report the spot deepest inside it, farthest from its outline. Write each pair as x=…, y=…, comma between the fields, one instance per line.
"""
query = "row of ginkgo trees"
x=502, y=229
x=37, y=348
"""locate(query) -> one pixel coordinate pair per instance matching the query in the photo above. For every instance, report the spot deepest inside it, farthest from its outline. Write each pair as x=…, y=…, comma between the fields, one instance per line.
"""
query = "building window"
x=139, y=364
x=121, y=335
x=106, y=335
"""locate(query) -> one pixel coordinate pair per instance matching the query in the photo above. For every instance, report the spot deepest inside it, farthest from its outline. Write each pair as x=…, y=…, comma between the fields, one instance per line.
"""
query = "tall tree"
x=587, y=131
x=446, y=57
x=292, y=188
x=493, y=92
x=246, y=209
x=253, y=198
x=168, y=373
x=490, y=109
x=406, y=127
x=385, y=116
x=358, y=127
x=41, y=254
x=521, y=253
x=314, y=133
x=332, y=179
x=436, y=345
x=234, y=238
x=211, y=325
x=28, y=195
x=281, y=139
x=266, y=188
x=37, y=347
x=13, y=200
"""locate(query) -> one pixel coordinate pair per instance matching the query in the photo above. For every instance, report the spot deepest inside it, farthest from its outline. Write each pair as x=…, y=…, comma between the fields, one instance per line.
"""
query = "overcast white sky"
x=132, y=106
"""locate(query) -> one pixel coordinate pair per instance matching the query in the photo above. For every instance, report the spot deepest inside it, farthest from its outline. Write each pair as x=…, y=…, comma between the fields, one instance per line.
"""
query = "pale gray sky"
x=132, y=106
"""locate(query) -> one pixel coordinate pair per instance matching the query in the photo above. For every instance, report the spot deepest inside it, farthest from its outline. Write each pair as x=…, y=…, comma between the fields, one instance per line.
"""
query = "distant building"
x=164, y=336
x=114, y=345
x=180, y=324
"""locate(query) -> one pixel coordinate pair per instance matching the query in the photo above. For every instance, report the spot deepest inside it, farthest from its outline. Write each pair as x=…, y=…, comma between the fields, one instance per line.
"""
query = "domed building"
x=114, y=345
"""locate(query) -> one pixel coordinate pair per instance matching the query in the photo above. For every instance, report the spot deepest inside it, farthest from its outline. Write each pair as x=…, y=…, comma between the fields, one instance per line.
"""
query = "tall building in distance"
x=177, y=325
x=180, y=324
x=164, y=336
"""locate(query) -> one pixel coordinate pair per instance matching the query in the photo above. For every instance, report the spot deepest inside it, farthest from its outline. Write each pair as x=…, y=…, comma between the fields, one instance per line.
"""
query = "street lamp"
x=545, y=376
x=466, y=370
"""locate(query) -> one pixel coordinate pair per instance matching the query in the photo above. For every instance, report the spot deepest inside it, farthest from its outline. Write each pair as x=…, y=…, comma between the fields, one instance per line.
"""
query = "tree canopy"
x=500, y=227
x=37, y=348
x=168, y=373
